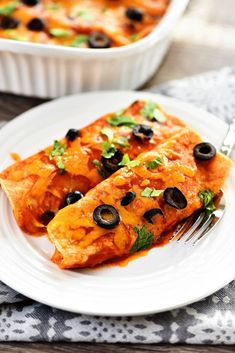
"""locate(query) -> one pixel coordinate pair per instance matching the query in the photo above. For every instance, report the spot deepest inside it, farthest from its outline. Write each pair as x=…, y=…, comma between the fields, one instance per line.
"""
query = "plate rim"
x=26, y=116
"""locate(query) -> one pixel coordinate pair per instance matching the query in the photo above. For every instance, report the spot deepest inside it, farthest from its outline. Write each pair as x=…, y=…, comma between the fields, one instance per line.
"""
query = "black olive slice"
x=134, y=14
x=175, y=198
x=72, y=134
x=98, y=40
x=8, y=23
x=148, y=215
x=111, y=164
x=128, y=198
x=73, y=197
x=46, y=217
x=30, y=2
x=204, y=151
x=106, y=216
x=36, y=25
x=142, y=132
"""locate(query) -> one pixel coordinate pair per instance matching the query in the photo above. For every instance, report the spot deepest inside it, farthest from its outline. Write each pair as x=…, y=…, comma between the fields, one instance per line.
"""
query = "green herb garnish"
x=53, y=7
x=122, y=141
x=60, y=32
x=144, y=239
x=126, y=162
x=96, y=162
x=7, y=10
x=134, y=37
x=121, y=120
x=84, y=14
x=150, y=192
x=79, y=40
x=99, y=168
x=60, y=164
x=20, y=39
x=108, y=133
x=207, y=196
x=13, y=34
x=57, y=151
x=154, y=164
x=108, y=149
x=152, y=112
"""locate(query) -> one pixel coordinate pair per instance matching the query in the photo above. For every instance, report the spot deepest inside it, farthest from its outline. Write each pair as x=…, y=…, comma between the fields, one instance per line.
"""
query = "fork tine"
x=195, y=227
x=182, y=228
x=203, y=226
x=212, y=221
x=197, y=224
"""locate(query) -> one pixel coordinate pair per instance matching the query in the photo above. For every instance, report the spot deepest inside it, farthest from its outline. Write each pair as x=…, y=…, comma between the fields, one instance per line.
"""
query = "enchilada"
x=40, y=185
x=130, y=210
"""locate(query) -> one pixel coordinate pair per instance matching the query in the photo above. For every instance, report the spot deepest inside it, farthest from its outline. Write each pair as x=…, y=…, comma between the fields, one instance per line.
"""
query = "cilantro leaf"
x=52, y=7
x=108, y=149
x=11, y=33
x=134, y=37
x=154, y=164
x=159, y=116
x=133, y=164
x=57, y=151
x=207, y=196
x=152, y=112
x=79, y=40
x=60, y=164
x=96, y=162
x=99, y=168
x=7, y=10
x=121, y=120
x=108, y=133
x=60, y=32
x=150, y=192
x=122, y=141
x=86, y=15
x=144, y=239
x=126, y=162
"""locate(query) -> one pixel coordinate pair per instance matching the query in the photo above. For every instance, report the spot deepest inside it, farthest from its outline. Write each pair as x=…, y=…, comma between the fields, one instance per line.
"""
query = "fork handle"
x=229, y=140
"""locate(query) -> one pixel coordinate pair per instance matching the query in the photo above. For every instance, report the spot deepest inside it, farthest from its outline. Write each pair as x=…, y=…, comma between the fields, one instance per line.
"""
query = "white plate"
x=166, y=278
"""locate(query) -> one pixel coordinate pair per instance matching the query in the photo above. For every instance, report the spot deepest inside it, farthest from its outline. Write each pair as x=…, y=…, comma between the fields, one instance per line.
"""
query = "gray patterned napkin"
x=210, y=321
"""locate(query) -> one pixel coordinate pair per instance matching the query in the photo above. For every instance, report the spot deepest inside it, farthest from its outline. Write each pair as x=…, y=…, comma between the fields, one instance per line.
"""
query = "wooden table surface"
x=204, y=40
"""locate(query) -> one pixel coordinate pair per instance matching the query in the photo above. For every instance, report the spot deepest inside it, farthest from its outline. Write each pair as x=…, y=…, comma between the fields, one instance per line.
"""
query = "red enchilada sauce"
x=82, y=23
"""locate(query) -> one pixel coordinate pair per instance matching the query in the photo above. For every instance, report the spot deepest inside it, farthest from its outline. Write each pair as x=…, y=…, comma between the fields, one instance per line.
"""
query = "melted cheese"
x=91, y=244
x=47, y=187
x=72, y=19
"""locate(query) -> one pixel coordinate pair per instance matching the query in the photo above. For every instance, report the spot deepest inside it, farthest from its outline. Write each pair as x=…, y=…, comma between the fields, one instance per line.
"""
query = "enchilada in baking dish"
x=40, y=185
x=83, y=23
x=131, y=209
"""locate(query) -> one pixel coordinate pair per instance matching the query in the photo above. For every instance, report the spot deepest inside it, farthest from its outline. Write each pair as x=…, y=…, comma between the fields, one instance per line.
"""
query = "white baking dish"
x=49, y=71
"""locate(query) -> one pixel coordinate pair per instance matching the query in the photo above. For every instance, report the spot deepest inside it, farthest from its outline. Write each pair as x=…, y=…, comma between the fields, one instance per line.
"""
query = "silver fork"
x=200, y=223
